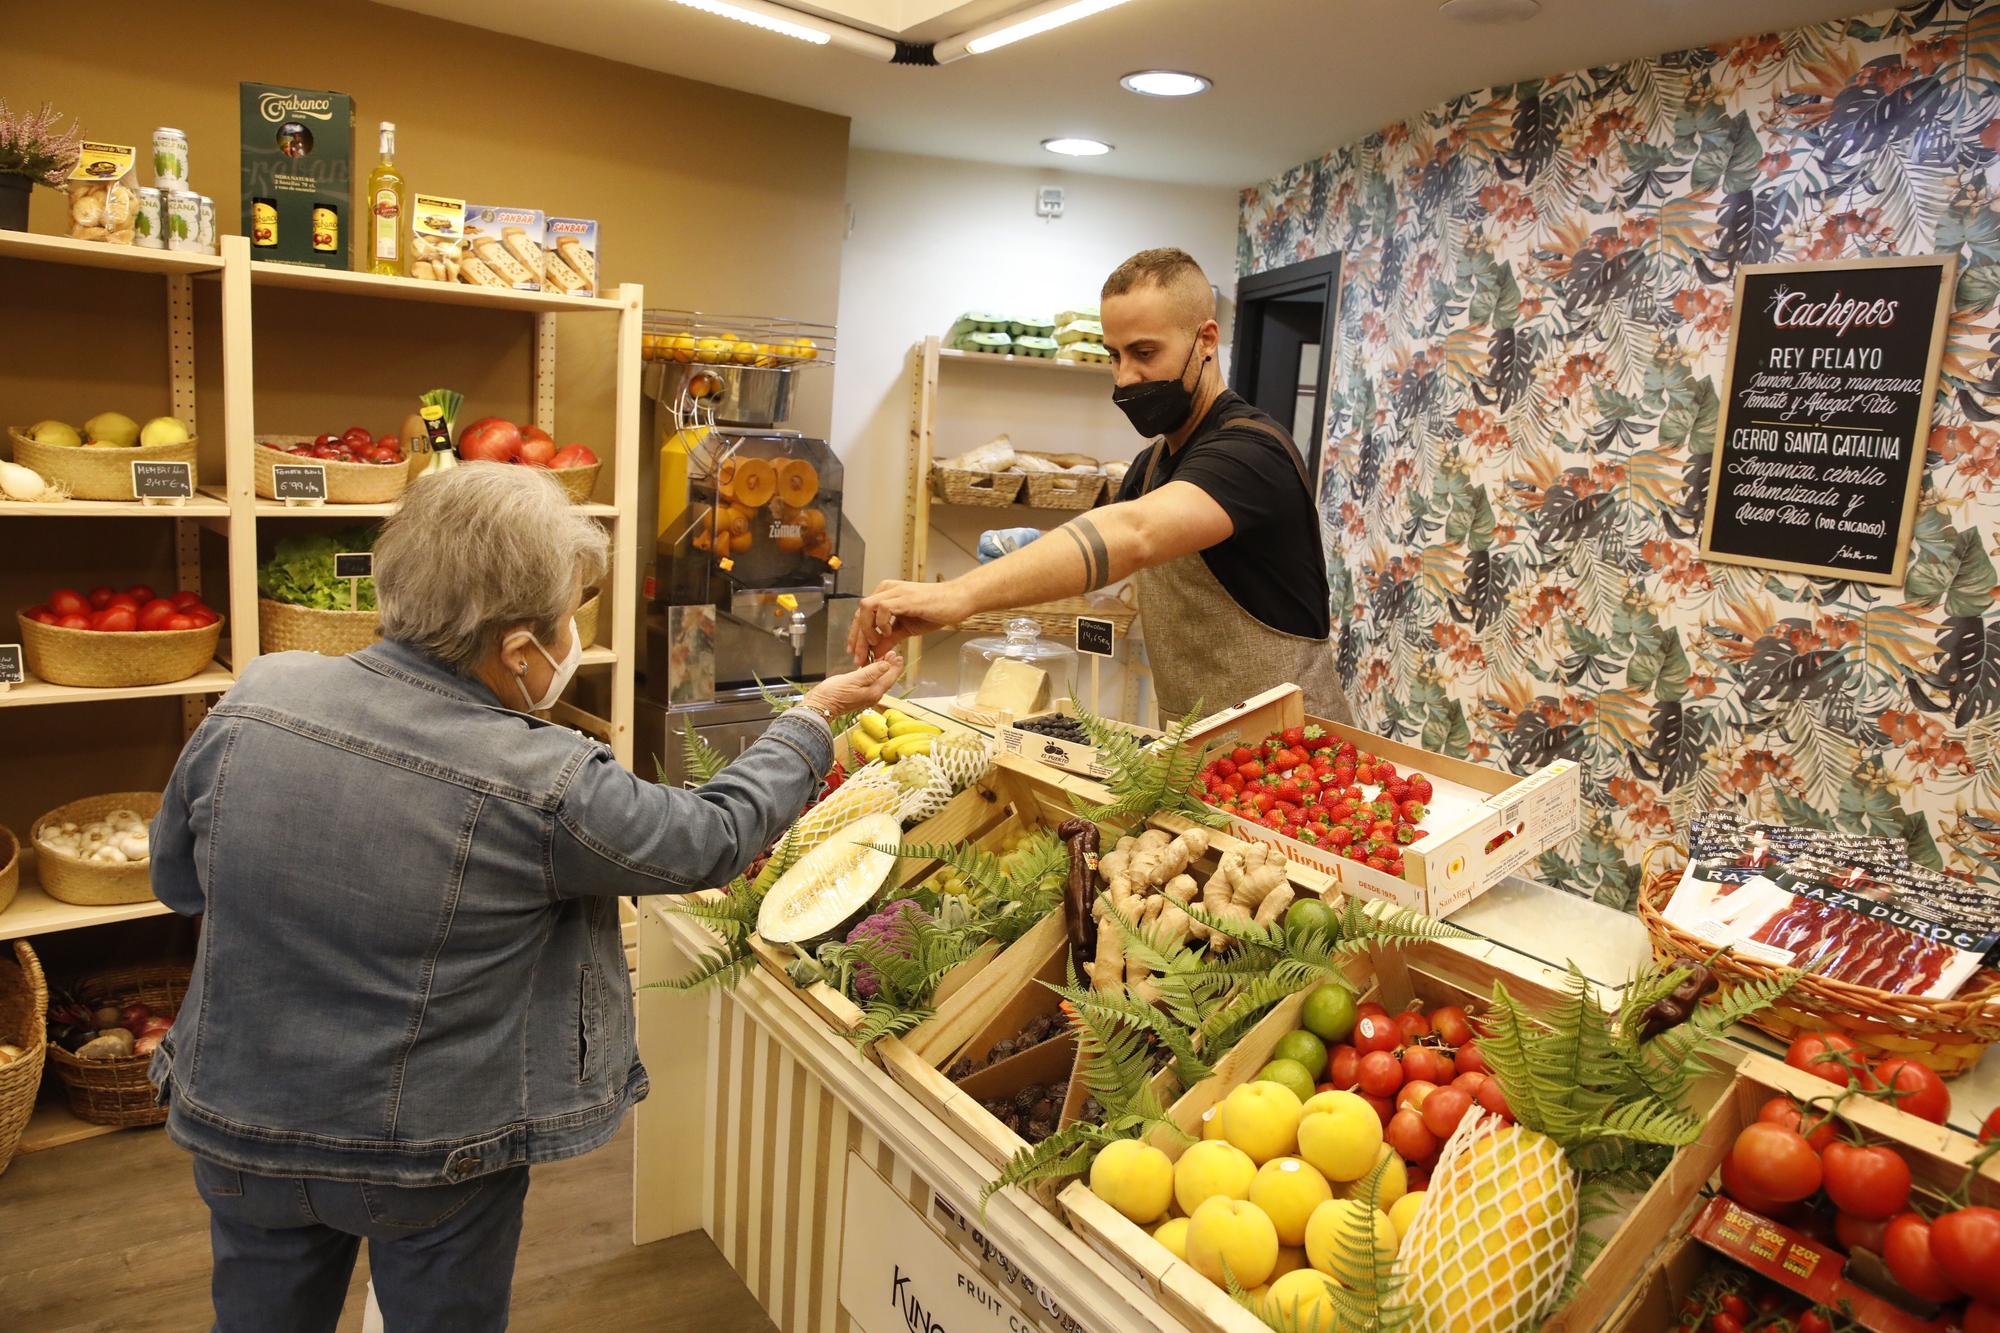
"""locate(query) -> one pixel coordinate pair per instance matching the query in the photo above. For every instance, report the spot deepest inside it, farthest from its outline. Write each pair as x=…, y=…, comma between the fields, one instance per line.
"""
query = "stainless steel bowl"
x=737, y=395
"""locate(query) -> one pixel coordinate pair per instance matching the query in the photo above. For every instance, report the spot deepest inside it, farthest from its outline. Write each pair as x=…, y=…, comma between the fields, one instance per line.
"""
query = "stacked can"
x=149, y=226
x=170, y=160
x=207, y=231
x=183, y=209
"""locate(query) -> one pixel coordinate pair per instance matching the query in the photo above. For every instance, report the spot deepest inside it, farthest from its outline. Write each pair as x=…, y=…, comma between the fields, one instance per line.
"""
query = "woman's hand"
x=862, y=688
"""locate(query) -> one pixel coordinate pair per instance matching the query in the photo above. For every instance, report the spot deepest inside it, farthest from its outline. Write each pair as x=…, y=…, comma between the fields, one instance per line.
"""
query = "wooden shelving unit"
x=220, y=534
x=931, y=357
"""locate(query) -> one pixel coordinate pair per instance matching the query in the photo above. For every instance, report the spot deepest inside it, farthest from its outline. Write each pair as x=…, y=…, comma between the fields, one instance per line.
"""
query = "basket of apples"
x=106, y=639
x=492, y=440
x=361, y=468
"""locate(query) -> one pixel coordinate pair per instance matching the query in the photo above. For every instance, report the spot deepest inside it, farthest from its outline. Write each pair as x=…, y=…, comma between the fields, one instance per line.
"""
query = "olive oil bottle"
x=386, y=195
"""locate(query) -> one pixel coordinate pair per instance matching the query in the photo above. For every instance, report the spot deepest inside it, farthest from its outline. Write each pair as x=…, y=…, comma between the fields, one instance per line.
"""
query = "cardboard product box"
x=572, y=257
x=298, y=174
x=1056, y=753
x=1484, y=824
x=509, y=242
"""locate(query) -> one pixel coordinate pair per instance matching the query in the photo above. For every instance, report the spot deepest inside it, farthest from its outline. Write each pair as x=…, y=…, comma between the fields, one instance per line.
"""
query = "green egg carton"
x=1032, y=328
x=996, y=343
x=1072, y=316
x=1080, y=330
x=985, y=321
x=1029, y=344
x=1085, y=351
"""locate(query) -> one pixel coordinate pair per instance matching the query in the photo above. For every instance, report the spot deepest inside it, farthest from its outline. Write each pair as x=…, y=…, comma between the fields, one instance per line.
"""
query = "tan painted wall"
x=713, y=199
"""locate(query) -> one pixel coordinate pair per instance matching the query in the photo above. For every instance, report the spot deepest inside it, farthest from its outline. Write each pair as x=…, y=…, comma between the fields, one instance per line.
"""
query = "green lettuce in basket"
x=300, y=572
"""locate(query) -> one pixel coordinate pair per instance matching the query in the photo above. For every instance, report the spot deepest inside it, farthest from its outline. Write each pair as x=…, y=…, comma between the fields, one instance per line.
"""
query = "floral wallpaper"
x=1535, y=304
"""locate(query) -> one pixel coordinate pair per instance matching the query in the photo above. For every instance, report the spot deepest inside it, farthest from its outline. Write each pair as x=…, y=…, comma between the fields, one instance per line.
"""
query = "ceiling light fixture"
x=791, y=23
x=1015, y=27
x=1165, y=83
x=1077, y=147
x=1490, y=11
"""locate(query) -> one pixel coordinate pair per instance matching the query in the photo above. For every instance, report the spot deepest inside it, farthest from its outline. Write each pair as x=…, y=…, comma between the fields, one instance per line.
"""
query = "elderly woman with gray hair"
x=410, y=984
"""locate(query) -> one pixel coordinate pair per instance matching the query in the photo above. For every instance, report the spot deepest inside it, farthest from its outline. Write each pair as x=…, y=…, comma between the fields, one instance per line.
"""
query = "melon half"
x=831, y=886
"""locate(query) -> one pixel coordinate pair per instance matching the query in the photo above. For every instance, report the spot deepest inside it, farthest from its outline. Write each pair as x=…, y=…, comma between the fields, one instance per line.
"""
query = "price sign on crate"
x=299, y=483
x=1096, y=637
x=163, y=482
x=354, y=566
x=11, y=670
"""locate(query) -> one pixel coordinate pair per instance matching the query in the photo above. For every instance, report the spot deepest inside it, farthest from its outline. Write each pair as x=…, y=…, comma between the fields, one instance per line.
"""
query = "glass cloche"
x=1013, y=675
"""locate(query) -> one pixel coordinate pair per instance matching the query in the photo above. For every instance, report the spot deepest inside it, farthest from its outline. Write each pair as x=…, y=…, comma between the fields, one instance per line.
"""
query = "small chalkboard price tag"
x=1825, y=415
x=163, y=483
x=354, y=565
x=299, y=483
x=1096, y=637
x=11, y=670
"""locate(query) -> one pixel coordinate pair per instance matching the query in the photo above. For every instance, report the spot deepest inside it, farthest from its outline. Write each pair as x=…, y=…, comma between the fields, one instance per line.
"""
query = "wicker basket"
x=115, y=1092
x=346, y=483
x=284, y=628
x=1949, y=1035
x=71, y=879
x=579, y=482
x=987, y=490
x=103, y=660
x=24, y=1012
x=586, y=620
x=10, y=867
x=1058, y=618
x=1064, y=490
x=96, y=474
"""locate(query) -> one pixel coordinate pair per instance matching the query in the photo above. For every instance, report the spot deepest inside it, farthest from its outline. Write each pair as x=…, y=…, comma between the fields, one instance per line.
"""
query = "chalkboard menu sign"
x=1826, y=415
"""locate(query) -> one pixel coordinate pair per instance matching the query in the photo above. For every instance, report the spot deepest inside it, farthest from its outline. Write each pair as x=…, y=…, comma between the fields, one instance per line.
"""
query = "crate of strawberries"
x=1386, y=819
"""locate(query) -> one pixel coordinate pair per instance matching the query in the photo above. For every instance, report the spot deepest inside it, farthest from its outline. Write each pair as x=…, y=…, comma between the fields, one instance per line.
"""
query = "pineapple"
x=1492, y=1245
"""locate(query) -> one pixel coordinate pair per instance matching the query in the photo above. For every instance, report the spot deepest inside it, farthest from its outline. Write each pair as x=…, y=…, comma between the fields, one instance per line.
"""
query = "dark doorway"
x=1284, y=347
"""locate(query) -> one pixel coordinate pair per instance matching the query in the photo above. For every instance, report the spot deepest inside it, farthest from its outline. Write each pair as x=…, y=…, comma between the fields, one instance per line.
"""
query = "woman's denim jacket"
x=410, y=968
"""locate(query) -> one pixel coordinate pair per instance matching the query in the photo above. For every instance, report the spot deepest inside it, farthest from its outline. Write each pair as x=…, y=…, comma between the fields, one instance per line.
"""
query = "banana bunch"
x=891, y=735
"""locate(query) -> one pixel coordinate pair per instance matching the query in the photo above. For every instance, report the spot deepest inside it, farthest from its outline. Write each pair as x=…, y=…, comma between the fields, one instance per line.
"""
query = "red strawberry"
x=1397, y=790
x=1346, y=751
x=1342, y=811
x=1384, y=771
x=1354, y=793
x=1241, y=755
x=1343, y=774
x=1249, y=770
x=1420, y=787
x=1377, y=863
x=1364, y=774
x=1263, y=800
x=1406, y=834
x=1420, y=833
x=1293, y=736
x=1288, y=790
x=1341, y=837
x=1384, y=808
x=1316, y=738
x=1384, y=830
x=1308, y=836
x=1226, y=767
x=1413, y=811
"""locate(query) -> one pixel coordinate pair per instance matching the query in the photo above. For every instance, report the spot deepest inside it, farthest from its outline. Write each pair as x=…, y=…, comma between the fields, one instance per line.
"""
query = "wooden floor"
x=108, y=1236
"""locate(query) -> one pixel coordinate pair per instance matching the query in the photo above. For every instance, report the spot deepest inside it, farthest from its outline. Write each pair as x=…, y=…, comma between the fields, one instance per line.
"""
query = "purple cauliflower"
x=889, y=927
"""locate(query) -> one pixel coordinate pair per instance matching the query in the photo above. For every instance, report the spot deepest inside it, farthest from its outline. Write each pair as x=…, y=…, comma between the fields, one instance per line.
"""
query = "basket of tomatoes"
x=360, y=468
x=107, y=639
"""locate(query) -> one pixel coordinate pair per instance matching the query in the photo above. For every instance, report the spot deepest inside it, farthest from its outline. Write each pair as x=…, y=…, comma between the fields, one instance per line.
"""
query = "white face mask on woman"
x=560, y=672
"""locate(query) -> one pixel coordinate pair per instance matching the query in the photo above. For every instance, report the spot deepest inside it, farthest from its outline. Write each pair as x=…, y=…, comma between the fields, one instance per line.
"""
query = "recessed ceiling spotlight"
x=1077, y=147
x=1164, y=83
x=1490, y=11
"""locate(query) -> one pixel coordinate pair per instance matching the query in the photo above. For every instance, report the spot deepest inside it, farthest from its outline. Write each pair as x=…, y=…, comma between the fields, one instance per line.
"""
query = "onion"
x=21, y=483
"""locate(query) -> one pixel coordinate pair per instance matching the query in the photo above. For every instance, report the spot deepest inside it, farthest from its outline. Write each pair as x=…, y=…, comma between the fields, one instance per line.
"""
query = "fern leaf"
x=718, y=967
x=881, y=1020
x=1065, y=1153
x=1148, y=779
x=703, y=760
x=1119, y=1005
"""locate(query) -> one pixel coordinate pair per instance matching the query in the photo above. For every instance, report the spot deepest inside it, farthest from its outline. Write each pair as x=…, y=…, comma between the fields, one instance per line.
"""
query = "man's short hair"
x=1171, y=269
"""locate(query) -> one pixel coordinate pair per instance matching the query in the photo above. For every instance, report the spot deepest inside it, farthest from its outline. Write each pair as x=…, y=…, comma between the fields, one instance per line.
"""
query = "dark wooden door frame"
x=1308, y=277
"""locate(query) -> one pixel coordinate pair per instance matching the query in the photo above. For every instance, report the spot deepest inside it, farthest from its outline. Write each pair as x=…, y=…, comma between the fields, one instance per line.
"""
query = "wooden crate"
x=1654, y=1305
x=1456, y=862
x=1455, y=972
x=1083, y=760
x=1012, y=795
x=1642, y=1251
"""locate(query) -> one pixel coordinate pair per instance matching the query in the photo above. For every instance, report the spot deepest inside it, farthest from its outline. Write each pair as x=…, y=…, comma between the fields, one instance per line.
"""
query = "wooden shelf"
x=216, y=680
x=298, y=278
x=53, y=1125
x=938, y=503
x=1030, y=362
x=279, y=509
x=33, y=912
x=599, y=656
x=202, y=505
x=97, y=254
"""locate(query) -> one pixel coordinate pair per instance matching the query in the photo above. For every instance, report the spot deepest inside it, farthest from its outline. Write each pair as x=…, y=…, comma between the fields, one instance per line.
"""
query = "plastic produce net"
x=1492, y=1245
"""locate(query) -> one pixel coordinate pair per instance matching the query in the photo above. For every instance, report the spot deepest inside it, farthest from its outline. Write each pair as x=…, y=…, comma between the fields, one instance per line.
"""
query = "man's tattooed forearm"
x=1096, y=556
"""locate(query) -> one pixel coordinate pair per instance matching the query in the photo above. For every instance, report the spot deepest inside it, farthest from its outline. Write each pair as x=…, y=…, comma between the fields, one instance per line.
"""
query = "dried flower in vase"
x=33, y=145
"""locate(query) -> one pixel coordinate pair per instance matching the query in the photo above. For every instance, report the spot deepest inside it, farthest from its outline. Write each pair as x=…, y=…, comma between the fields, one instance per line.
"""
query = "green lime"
x=1308, y=915
x=1305, y=1048
x=1329, y=1012
x=1290, y=1074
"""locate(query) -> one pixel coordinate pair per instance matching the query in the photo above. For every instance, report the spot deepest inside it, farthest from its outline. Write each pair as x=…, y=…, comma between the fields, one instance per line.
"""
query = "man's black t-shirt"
x=1273, y=564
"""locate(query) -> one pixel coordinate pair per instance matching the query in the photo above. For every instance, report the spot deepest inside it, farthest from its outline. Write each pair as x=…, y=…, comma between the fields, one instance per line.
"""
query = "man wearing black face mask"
x=1216, y=520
